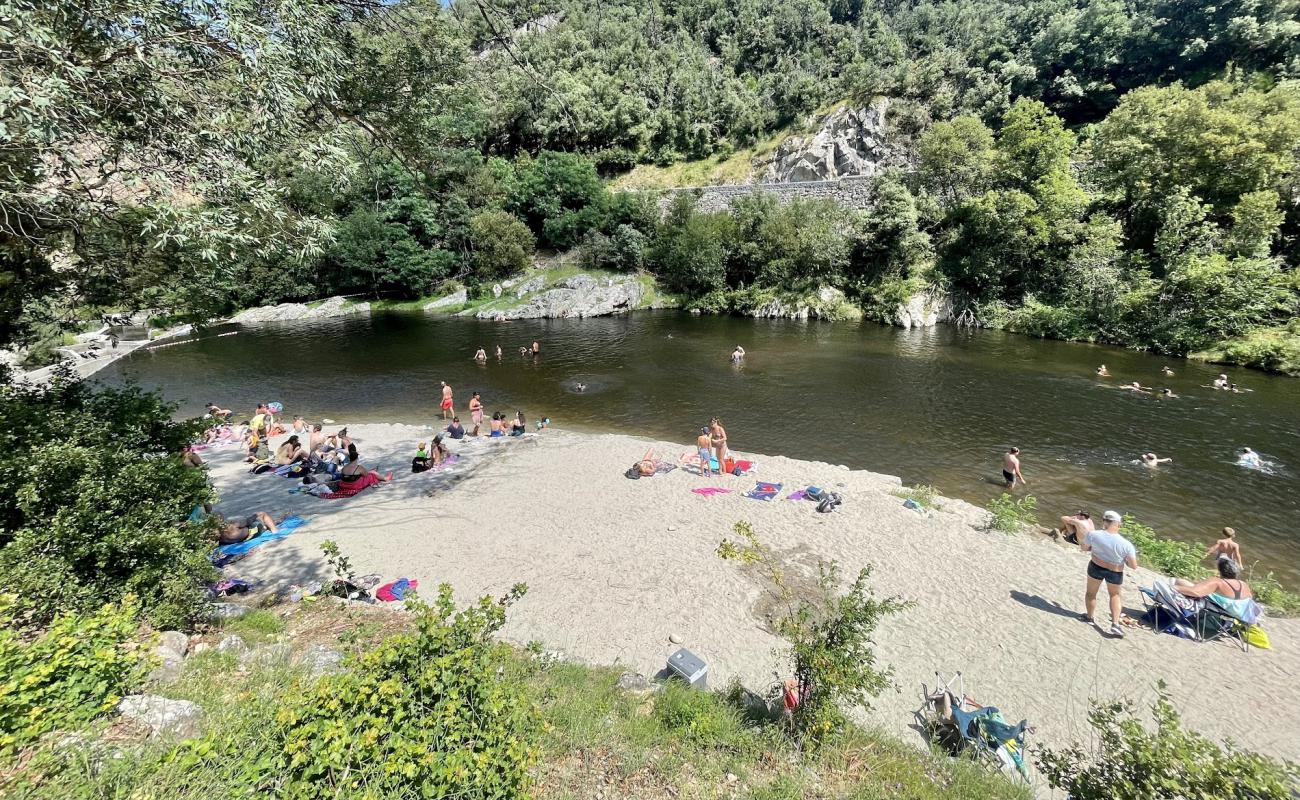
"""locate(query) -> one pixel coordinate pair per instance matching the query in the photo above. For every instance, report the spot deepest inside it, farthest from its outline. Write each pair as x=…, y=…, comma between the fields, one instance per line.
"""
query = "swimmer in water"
x=1166, y=371
x=480, y=356
x=537, y=348
x=498, y=352
x=1168, y=393
x=582, y=387
x=1152, y=460
x=1103, y=372
x=1249, y=458
x=738, y=355
x=1221, y=382
x=1136, y=387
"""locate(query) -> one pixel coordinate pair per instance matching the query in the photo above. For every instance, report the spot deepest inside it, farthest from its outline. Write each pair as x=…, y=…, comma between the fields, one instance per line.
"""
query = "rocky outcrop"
x=925, y=309
x=294, y=312
x=457, y=298
x=850, y=142
x=579, y=296
x=827, y=303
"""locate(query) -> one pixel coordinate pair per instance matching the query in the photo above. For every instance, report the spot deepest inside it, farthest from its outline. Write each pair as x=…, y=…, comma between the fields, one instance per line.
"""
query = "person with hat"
x=1109, y=553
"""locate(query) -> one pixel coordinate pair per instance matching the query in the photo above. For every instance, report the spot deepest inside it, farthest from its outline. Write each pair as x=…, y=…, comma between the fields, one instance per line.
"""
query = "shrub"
x=923, y=495
x=502, y=245
x=703, y=718
x=1179, y=559
x=1130, y=762
x=432, y=708
x=70, y=673
x=829, y=635
x=95, y=506
x=1009, y=514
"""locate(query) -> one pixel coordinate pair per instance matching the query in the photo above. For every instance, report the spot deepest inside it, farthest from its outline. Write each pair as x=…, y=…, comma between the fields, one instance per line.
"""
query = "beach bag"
x=1256, y=637
x=814, y=493
x=828, y=503
x=729, y=465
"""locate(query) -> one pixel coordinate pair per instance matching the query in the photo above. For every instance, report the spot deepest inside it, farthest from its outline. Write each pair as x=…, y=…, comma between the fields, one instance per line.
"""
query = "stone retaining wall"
x=853, y=192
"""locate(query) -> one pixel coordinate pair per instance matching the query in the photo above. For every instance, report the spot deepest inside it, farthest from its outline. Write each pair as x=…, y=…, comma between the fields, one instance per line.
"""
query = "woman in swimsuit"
x=1226, y=585
x=476, y=412
x=718, y=438
x=518, y=427
x=354, y=471
x=497, y=425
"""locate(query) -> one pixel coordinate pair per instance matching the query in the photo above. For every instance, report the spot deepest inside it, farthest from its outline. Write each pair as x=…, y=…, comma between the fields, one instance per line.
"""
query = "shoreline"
x=616, y=567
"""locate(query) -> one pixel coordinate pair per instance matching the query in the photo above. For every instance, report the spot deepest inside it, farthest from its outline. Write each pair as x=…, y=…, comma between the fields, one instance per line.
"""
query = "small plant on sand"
x=344, y=576
x=1009, y=514
x=830, y=637
x=923, y=495
x=1129, y=762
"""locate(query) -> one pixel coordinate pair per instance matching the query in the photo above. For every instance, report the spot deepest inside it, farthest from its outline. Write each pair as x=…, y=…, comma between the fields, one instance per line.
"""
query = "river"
x=933, y=406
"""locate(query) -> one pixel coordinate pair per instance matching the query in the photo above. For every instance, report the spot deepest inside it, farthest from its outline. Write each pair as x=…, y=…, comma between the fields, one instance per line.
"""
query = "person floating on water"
x=1103, y=372
x=1011, y=468
x=1221, y=382
x=1226, y=547
x=702, y=445
x=480, y=356
x=1153, y=461
x=446, y=405
x=1135, y=387
x=1249, y=459
x=1110, y=553
x=738, y=355
x=581, y=387
x=1168, y=393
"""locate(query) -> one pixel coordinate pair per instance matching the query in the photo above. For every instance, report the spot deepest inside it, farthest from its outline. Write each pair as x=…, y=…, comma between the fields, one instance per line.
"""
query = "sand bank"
x=616, y=566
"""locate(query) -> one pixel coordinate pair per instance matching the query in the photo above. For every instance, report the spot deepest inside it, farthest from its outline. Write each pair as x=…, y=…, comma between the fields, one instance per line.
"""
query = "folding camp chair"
x=1201, y=620
x=956, y=721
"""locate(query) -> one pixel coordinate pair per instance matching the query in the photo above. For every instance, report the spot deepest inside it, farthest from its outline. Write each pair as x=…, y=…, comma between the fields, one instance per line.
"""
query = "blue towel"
x=287, y=527
x=764, y=491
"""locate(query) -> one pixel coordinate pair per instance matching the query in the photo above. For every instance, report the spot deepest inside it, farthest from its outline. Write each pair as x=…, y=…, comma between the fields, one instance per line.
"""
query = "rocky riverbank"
x=294, y=312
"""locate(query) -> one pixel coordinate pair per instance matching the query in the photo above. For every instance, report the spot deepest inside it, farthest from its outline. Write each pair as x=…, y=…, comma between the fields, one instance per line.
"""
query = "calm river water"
x=937, y=406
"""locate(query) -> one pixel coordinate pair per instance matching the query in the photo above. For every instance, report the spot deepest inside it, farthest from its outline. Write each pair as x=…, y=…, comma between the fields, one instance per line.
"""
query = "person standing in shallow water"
x=537, y=348
x=446, y=405
x=498, y=352
x=1011, y=468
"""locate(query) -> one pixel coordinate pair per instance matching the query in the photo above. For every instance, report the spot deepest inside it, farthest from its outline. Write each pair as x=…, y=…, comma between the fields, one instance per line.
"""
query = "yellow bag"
x=1256, y=637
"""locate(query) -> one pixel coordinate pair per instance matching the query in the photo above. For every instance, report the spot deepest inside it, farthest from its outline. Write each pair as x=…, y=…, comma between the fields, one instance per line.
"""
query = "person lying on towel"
x=233, y=532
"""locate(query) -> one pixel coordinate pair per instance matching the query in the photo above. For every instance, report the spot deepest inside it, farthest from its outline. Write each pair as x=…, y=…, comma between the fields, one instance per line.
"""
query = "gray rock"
x=634, y=682
x=179, y=719
x=266, y=655
x=674, y=638
x=529, y=286
x=174, y=640
x=200, y=647
x=579, y=296
x=850, y=141
x=826, y=303
x=319, y=660
x=289, y=312
x=457, y=298
x=497, y=289
x=232, y=643
x=170, y=665
x=925, y=309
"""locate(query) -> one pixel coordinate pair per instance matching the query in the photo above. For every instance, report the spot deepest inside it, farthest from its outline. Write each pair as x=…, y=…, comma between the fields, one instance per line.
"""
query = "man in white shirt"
x=1110, y=553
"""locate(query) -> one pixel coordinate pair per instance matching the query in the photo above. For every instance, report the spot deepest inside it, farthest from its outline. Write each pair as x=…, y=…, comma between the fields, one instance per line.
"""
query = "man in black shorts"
x=1110, y=553
x=1011, y=468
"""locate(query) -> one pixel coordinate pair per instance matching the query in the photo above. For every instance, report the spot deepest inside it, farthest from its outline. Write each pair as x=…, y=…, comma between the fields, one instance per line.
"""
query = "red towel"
x=349, y=489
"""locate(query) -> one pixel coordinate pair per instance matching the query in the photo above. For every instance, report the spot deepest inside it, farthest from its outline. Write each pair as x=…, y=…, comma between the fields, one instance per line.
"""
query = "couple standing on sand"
x=712, y=439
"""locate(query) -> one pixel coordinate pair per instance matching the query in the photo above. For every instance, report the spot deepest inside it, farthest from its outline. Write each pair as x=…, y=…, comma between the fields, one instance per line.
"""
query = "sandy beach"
x=617, y=566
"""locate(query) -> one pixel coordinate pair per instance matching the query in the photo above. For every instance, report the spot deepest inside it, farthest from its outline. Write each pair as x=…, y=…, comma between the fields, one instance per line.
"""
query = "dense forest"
x=1085, y=169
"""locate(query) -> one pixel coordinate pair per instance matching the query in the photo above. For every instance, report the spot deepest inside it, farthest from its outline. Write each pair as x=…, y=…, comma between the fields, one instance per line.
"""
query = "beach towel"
x=223, y=552
x=355, y=487
x=709, y=491
x=797, y=495
x=391, y=592
x=764, y=491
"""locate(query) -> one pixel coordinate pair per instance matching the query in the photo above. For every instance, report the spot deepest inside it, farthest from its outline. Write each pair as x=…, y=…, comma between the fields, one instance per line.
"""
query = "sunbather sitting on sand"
x=217, y=412
x=1074, y=528
x=455, y=430
x=289, y=452
x=421, y=461
x=518, y=427
x=1226, y=585
x=439, y=453
x=354, y=471
x=497, y=425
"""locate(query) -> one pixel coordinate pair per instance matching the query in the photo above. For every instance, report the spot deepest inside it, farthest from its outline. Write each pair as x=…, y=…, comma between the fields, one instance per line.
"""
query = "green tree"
x=501, y=245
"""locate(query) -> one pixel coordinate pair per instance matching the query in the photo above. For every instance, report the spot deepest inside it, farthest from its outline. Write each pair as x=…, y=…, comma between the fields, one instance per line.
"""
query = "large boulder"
x=850, y=141
x=178, y=719
x=579, y=296
x=826, y=303
x=292, y=312
x=925, y=309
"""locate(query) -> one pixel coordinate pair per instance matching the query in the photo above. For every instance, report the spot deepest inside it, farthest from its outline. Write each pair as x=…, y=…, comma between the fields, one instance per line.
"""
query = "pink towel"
x=708, y=491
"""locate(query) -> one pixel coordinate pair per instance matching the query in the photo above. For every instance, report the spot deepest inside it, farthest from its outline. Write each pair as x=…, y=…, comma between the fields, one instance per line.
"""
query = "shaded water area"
x=936, y=406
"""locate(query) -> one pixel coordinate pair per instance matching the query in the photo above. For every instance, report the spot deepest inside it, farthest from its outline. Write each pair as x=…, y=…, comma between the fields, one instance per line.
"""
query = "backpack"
x=829, y=502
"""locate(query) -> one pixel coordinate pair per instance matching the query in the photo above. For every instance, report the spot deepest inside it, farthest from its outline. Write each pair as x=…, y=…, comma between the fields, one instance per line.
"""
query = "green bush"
x=1130, y=762
x=1275, y=349
x=502, y=245
x=432, y=708
x=1010, y=514
x=70, y=673
x=830, y=638
x=1179, y=559
x=702, y=718
x=94, y=505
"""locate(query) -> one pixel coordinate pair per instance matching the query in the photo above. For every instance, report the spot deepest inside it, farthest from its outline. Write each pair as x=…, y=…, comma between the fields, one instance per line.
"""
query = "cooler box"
x=689, y=667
